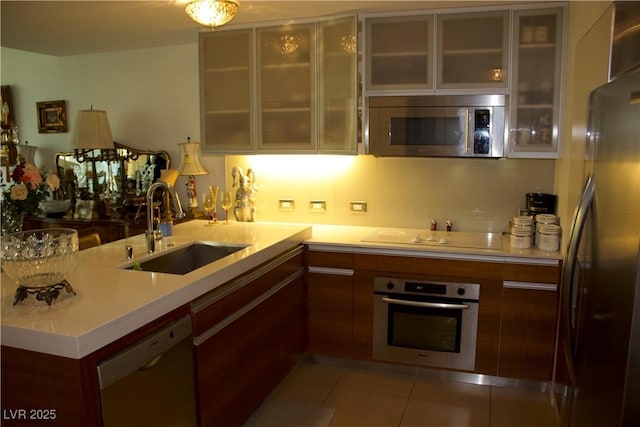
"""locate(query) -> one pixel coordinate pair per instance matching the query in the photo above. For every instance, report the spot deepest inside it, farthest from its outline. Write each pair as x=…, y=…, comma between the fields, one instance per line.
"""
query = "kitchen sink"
x=188, y=258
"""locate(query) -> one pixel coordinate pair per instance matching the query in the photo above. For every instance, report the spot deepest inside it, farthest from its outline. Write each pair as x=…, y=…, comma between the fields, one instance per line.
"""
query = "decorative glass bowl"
x=40, y=258
x=55, y=208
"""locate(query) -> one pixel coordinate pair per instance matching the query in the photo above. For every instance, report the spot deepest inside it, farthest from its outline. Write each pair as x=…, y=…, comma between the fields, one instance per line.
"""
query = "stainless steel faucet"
x=151, y=234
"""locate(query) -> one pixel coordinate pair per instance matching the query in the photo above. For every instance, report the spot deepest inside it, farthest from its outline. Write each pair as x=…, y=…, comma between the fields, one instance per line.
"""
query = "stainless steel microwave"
x=437, y=125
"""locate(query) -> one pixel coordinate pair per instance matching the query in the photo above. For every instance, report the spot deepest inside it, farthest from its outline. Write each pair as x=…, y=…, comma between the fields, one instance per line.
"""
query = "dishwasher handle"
x=144, y=354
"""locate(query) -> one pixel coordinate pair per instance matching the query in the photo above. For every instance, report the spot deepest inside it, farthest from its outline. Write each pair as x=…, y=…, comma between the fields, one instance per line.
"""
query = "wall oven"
x=425, y=322
x=437, y=125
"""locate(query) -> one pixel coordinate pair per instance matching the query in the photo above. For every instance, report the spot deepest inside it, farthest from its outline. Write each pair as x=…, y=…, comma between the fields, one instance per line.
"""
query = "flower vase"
x=11, y=221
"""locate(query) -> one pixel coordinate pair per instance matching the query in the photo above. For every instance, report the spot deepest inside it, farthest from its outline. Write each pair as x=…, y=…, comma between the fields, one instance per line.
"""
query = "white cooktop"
x=454, y=239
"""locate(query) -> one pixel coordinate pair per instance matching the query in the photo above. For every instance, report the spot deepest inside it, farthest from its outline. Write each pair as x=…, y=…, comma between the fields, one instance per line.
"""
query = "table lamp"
x=190, y=166
x=92, y=132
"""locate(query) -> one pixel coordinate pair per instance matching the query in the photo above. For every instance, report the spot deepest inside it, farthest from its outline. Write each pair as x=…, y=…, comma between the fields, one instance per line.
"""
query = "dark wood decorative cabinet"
x=109, y=230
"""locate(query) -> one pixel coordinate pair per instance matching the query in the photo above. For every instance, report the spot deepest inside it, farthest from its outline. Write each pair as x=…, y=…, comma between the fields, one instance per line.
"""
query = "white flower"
x=19, y=192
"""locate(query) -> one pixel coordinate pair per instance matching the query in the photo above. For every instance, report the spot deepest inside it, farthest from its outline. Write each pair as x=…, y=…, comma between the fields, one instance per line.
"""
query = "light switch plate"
x=358, y=206
x=318, y=206
x=286, y=204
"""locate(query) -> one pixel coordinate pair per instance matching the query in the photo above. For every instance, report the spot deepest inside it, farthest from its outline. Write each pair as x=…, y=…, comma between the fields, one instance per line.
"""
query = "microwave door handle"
x=426, y=304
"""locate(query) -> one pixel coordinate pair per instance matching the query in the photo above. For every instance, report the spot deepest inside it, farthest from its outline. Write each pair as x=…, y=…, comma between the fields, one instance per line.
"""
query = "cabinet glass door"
x=226, y=85
x=473, y=51
x=536, y=88
x=337, y=94
x=399, y=53
x=286, y=82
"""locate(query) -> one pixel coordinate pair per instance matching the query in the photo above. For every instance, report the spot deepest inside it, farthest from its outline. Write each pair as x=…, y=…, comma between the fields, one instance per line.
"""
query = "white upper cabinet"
x=515, y=52
x=400, y=53
x=469, y=51
x=280, y=89
x=286, y=88
x=473, y=51
x=338, y=86
x=226, y=90
x=535, y=99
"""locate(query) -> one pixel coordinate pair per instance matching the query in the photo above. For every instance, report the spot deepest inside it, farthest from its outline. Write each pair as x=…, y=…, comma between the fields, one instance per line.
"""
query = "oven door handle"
x=426, y=304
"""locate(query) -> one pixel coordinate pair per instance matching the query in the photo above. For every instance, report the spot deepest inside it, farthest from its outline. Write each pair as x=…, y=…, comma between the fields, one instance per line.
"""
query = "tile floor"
x=372, y=397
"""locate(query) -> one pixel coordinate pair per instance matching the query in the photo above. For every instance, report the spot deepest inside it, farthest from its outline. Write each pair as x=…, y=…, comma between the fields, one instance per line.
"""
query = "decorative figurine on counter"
x=244, y=209
x=191, y=192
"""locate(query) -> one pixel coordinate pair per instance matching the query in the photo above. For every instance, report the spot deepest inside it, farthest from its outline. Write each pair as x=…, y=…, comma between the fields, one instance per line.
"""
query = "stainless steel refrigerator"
x=597, y=378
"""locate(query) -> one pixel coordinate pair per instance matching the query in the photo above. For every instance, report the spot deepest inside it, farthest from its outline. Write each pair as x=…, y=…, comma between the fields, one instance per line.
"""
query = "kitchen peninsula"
x=55, y=349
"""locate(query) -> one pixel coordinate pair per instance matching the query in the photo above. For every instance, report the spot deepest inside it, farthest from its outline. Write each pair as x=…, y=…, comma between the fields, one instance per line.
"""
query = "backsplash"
x=475, y=194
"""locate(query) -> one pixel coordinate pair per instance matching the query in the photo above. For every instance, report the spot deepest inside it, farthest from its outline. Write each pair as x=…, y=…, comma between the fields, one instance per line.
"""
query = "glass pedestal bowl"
x=39, y=260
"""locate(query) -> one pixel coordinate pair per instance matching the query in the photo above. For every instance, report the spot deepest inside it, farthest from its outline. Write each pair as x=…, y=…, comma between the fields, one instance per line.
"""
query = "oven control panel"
x=467, y=291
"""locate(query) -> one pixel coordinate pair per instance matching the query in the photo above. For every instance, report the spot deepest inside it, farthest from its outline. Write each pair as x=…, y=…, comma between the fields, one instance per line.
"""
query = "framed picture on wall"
x=52, y=117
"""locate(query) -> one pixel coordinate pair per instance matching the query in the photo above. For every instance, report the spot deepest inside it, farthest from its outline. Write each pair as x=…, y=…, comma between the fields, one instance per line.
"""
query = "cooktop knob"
x=461, y=291
x=390, y=285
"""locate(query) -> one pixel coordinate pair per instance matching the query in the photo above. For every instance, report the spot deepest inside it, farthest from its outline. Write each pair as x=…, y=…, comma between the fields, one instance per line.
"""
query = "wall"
x=586, y=67
x=475, y=194
x=151, y=97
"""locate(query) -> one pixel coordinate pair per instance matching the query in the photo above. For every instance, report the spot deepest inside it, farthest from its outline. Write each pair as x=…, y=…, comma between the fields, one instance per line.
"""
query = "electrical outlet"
x=318, y=206
x=286, y=204
x=358, y=206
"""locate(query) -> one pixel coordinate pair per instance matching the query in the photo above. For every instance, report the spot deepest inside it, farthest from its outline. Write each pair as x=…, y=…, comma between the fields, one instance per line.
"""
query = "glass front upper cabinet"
x=473, y=50
x=536, y=89
x=226, y=84
x=338, y=86
x=399, y=53
x=286, y=83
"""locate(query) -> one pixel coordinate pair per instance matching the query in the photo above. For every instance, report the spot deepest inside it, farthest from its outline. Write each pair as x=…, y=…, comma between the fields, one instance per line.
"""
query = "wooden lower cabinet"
x=242, y=357
x=529, y=321
x=330, y=303
x=487, y=274
x=517, y=316
x=42, y=389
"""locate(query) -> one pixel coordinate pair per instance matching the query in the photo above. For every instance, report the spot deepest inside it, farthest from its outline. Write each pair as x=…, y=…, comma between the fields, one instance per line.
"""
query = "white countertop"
x=112, y=301
x=353, y=239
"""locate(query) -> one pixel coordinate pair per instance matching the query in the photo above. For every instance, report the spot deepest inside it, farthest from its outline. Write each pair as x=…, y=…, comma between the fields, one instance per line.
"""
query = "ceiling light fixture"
x=211, y=13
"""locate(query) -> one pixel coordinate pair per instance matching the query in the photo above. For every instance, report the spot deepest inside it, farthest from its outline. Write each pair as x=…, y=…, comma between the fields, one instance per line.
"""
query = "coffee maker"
x=540, y=203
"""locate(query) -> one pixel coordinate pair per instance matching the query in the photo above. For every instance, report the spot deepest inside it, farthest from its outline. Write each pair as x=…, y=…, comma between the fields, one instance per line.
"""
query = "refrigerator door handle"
x=571, y=263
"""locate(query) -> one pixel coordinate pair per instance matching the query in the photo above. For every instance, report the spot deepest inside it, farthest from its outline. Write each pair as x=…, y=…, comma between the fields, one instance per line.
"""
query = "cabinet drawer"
x=220, y=303
x=329, y=259
x=532, y=273
x=437, y=269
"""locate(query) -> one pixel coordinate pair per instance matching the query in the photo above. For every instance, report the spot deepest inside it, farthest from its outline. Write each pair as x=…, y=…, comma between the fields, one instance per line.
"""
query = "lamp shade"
x=92, y=130
x=211, y=13
x=27, y=152
x=190, y=159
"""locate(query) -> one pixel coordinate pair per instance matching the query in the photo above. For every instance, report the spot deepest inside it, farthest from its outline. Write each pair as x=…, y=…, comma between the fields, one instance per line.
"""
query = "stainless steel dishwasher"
x=151, y=382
